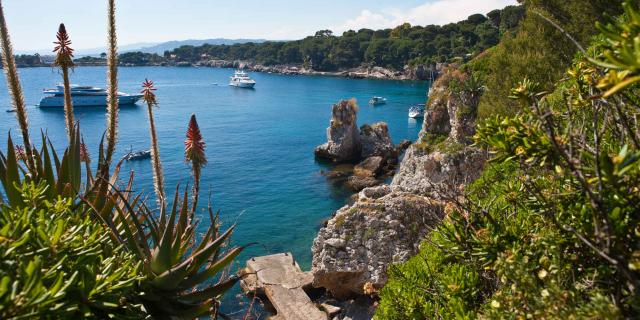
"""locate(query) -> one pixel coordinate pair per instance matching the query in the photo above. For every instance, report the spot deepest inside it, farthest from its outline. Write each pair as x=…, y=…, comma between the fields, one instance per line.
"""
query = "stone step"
x=280, y=279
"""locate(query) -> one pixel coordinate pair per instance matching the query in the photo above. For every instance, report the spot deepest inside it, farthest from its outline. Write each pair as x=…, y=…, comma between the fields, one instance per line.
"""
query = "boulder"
x=369, y=167
x=343, y=136
x=357, y=183
x=402, y=146
x=361, y=241
x=375, y=141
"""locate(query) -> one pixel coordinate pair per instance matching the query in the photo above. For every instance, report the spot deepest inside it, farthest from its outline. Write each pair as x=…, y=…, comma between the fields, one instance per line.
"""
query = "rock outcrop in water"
x=368, y=146
x=343, y=136
x=386, y=224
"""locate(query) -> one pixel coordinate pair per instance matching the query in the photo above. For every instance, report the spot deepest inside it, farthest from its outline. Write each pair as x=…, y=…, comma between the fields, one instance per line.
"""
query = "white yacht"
x=416, y=111
x=241, y=79
x=375, y=101
x=84, y=96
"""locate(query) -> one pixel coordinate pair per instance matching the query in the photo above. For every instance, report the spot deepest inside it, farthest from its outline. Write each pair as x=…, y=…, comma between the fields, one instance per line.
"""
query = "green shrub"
x=550, y=230
x=537, y=50
x=56, y=262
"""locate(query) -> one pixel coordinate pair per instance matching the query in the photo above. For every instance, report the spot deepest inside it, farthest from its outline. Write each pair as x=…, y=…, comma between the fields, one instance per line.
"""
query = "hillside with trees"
x=388, y=48
x=550, y=229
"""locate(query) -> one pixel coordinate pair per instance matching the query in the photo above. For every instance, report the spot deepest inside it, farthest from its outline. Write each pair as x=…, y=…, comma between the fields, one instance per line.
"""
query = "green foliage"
x=550, y=230
x=183, y=277
x=390, y=48
x=140, y=59
x=537, y=50
x=56, y=262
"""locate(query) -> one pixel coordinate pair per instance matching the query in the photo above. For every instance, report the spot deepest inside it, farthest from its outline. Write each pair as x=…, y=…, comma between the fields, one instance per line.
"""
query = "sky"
x=33, y=23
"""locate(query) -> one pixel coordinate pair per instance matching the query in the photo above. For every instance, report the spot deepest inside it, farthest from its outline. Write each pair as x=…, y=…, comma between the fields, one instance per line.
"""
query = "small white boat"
x=241, y=79
x=416, y=111
x=83, y=96
x=375, y=101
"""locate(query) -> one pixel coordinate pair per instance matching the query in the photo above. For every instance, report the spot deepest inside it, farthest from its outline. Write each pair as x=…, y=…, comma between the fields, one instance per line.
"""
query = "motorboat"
x=241, y=79
x=137, y=155
x=416, y=111
x=375, y=101
x=84, y=96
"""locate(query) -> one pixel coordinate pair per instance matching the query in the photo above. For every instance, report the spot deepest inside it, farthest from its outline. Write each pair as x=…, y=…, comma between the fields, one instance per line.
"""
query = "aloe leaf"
x=162, y=258
x=210, y=292
x=11, y=176
x=201, y=256
x=213, y=269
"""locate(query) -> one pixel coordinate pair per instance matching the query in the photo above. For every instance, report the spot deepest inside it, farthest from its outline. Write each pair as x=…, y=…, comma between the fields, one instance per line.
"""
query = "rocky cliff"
x=386, y=224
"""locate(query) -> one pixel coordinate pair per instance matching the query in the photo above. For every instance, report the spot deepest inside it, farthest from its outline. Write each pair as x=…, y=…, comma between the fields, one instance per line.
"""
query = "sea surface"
x=261, y=174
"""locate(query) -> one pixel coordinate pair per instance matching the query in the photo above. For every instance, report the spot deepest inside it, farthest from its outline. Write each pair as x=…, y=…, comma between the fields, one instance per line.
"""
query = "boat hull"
x=247, y=85
x=87, y=101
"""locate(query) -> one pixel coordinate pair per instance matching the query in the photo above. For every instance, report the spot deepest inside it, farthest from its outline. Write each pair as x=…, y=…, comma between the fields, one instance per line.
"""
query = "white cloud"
x=432, y=12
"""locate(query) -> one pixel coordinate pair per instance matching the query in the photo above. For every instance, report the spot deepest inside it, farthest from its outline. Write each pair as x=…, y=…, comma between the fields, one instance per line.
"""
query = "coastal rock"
x=370, y=167
x=343, y=136
x=402, y=146
x=452, y=111
x=433, y=173
x=436, y=117
x=357, y=183
x=386, y=224
x=375, y=141
x=380, y=229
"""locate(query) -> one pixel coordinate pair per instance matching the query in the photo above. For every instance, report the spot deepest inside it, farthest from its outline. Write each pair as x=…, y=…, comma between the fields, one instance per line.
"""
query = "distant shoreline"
x=408, y=74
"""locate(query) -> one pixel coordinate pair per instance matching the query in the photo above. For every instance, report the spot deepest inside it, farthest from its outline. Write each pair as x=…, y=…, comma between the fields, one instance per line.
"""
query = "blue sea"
x=261, y=174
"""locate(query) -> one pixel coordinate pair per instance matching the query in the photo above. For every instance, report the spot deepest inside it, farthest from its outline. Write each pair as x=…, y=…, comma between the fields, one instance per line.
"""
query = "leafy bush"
x=537, y=50
x=56, y=262
x=550, y=230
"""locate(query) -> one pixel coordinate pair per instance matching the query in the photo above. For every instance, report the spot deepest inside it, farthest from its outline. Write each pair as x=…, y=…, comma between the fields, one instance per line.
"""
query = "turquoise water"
x=262, y=173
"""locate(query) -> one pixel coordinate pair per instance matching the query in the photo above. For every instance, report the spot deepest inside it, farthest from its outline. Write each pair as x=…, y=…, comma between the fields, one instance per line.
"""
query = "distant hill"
x=160, y=48
x=149, y=47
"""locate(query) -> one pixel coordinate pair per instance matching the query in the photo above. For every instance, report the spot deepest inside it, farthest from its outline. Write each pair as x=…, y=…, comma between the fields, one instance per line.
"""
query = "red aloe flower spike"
x=147, y=91
x=84, y=153
x=63, y=48
x=21, y=154
x=194, y=145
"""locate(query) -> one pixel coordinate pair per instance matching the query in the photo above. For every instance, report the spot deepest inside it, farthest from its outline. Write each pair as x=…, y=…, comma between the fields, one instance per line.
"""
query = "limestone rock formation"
x=343, y=136
x=361, y=241
x=452, y=107
x=432, y=174
x=385, y=224
x=375, y=141
x=369, y=145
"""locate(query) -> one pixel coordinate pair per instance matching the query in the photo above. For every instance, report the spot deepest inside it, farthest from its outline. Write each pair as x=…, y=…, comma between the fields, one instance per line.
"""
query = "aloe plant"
x=64, y=60
x=149, y=97
x=194, y=154
x=180, y=276
x=13, y=84
x=179, y=270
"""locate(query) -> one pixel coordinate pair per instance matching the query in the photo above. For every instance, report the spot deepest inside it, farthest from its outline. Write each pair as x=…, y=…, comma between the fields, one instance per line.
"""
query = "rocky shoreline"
x=385, y=224
x=408, y=73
